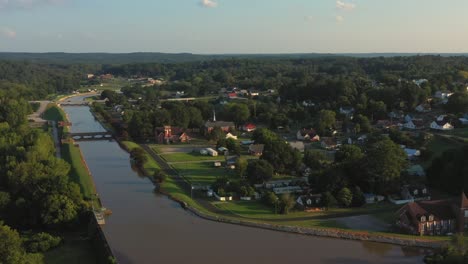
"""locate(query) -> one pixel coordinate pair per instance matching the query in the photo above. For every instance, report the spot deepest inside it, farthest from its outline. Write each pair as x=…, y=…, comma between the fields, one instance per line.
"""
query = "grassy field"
x=150, y=166
x=203, y=173
x=459, y=132
x=79, y=173
x=191, y=156
x=73, y=251
x=256, y=210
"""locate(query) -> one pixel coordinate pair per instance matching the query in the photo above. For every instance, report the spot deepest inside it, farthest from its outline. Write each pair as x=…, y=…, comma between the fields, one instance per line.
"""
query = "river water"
x=149, y=228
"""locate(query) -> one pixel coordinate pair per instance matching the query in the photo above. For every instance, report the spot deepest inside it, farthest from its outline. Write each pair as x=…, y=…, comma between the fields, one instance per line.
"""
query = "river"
x=146, y=227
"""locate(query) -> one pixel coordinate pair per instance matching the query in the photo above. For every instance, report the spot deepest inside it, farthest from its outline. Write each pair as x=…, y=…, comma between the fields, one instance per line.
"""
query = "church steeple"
x=214, y=115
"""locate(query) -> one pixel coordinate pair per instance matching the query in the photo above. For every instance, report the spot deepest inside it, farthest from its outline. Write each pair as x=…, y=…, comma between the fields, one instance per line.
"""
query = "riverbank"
x=99, y=248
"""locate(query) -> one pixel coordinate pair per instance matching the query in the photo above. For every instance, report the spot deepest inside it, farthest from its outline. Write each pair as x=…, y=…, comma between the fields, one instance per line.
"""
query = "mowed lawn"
x=79, y=173
x=257, y=210
x=191, y=156
x=203, y=173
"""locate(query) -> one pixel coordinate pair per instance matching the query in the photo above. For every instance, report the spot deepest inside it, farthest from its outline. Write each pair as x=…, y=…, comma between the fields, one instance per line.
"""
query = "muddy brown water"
x=149, y=228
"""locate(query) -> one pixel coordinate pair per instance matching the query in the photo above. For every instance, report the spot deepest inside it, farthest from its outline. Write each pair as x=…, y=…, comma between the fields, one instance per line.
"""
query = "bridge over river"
x=90, y=136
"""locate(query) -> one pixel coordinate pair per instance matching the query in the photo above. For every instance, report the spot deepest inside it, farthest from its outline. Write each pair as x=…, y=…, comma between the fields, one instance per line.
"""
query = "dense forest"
x=36, y=195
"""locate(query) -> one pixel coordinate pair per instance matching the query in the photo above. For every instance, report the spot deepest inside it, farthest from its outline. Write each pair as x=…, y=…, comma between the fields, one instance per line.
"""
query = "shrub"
x=42, y=242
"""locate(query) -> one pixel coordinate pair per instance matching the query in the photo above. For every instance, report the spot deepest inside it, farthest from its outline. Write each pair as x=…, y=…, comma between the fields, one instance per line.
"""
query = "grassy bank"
x=79, y=172
x=55, y=113
x=150, y=165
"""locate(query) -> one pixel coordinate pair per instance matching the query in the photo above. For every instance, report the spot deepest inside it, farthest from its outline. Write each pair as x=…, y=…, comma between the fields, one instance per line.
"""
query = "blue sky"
x=234, y=26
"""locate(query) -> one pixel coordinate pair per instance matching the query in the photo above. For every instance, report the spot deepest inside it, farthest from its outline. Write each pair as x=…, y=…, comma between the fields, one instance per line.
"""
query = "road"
x=55, y=134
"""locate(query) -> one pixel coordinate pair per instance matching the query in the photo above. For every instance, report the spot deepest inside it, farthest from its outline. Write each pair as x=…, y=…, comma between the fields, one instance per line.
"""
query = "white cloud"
x=26, y=4
x=345, y=6
x=7, y=33
x=209, y=3
x=339, y=19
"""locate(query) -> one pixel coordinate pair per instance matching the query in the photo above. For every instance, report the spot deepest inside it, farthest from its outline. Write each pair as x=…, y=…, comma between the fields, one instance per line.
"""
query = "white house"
x=442, y=95
x=441, y=126
x=229, y=135
x=212, y=152
x=409, y=125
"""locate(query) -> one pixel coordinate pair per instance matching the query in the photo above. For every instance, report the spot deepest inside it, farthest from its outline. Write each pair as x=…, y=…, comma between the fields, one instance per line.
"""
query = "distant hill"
x=155, y=57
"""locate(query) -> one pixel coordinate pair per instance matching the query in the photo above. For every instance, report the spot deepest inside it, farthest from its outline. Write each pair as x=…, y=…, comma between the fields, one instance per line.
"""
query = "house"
x=385, y=124
x=442, y=95
x=408, y=118
x=217, y=164
x=412, y=153
x=307, y=134
x=346, y=110
x=256, y=150
x=415, y=193
x=222, y=149
x=229, y=135
x=329, y=143
x=414, y=124
x=168, y=134
x=287, y=189
x=298, y=145
x=225, y=126
x=445, y=126
x=249, y=127
x=463, y=121
x=310, y=202
x=438, y=217
x=423, y=108
x=254, y=93
x=373, y=198
x=232, y=95
x=211, y=152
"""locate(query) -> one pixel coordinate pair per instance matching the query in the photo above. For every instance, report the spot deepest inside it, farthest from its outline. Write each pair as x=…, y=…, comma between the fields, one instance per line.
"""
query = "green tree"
x=314, y=159
x=58, y=209
x=457, y=103
x=326, y=120
x=259, y=171
x=350, y=154
x=329, y=200
x=384, y=163
x=241, y=166
x=11, y=251
x=287, y=202
x=345, y=197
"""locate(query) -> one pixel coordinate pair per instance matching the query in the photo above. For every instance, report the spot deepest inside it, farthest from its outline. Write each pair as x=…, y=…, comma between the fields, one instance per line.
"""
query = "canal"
x=146, y=227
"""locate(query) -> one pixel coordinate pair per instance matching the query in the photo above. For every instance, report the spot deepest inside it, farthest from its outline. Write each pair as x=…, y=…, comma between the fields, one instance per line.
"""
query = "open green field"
x=203, y=173
x=72, y=251
x=79, y=173
x=150, y=166
x=257, y=210
x=191, y=156
x=459, y=132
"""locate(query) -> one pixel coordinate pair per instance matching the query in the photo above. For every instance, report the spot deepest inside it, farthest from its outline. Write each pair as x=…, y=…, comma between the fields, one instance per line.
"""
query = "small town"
x=216, y=131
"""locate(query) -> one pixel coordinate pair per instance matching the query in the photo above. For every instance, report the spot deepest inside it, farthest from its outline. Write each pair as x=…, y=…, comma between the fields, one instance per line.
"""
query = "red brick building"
x=438, y=217
x=168, y=134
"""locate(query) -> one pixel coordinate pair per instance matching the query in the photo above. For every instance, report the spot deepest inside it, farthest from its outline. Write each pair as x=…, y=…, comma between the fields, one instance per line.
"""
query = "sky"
x=234, y=26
